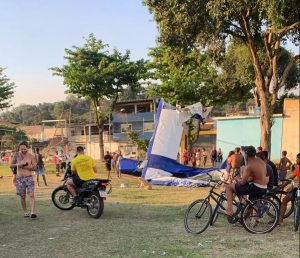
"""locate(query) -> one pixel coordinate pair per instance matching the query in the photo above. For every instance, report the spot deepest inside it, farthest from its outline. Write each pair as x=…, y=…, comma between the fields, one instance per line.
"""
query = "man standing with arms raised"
x=25, y=164
x=83, y=168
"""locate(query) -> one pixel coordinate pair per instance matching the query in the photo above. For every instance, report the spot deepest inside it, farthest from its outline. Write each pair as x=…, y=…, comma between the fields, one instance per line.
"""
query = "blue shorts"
x=40, y=171
x=77, y=181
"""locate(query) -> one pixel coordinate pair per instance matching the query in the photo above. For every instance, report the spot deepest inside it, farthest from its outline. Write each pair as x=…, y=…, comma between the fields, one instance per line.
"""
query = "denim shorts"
x=24, y=183
x=40, y=171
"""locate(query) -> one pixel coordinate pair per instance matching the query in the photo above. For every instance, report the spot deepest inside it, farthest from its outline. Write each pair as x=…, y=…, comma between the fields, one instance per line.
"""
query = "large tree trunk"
x=101, y=143
x=265, y=124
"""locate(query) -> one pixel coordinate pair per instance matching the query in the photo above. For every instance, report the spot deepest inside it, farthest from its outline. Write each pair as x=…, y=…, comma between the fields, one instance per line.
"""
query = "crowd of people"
x=248, y=171
x=198, y=157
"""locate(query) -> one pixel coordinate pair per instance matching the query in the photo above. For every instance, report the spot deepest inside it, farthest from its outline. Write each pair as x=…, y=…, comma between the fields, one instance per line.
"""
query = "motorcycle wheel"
x=62, y=198
x=95, y=205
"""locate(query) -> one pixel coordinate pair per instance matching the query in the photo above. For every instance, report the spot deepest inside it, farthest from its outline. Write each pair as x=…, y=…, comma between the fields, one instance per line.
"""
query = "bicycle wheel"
x=290, y=205
x=260, y=216
x=297, y=213
x=198, y=216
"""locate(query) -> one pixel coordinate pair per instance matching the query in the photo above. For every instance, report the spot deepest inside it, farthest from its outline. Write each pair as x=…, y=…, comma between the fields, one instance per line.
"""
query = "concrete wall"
x=290, y=130
x=93, y=150
x=242, y=131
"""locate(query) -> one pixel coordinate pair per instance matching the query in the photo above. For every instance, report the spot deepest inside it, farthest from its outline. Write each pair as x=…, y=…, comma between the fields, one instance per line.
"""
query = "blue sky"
x=34, y=34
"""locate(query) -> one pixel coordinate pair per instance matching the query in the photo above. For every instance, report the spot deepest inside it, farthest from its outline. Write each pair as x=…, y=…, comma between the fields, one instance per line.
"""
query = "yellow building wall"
x=290, y=131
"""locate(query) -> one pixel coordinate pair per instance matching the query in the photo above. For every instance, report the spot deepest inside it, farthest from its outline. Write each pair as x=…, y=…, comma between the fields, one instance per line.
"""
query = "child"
x=284, y=165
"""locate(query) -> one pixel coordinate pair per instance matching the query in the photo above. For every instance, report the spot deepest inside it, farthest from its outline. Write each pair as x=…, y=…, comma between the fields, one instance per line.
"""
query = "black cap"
x=250, y=151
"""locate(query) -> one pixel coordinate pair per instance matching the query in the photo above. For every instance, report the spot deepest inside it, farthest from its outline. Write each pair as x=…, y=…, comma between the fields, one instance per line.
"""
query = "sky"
x=34, y=34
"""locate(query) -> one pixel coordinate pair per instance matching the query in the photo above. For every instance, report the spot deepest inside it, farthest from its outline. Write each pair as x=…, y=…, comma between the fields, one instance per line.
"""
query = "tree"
x=95, y=73
x=10, y=137
x=262, y=26
x=142, y=144
x=6, y=90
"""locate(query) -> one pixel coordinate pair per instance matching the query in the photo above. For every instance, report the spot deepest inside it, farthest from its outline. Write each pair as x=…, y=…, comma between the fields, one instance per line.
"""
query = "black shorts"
x=63, y=165
x=250, y=189
x=77, y=181
x=108, y=166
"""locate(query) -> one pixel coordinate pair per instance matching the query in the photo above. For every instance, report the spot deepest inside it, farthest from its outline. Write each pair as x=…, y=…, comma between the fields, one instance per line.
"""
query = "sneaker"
x=26, y=215
x=33, y=216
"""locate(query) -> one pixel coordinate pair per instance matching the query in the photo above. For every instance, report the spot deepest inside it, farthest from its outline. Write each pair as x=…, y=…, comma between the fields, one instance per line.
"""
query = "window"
x=126, y=128
x=148, y=126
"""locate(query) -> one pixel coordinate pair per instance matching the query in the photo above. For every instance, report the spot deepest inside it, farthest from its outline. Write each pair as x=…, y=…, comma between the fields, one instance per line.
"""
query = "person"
x=204, y=157
x=256, y=172
x=193, y=159
x=213, y=156
x=119, y=157
x=270, y=175
x=25, y=164
x=236, y=161
x=13, y=160
x=56, y=160
x=107, y=159
x=273, y=166
x=83, y=168
x=113, y=161
x=291, y=192
x=40, y=169
x=198, y=158
x=185, y=157
x=220, y=157
x=243, y=154
x=284, y=165
x=259, y=149
x=228, y=167
x=63, y=161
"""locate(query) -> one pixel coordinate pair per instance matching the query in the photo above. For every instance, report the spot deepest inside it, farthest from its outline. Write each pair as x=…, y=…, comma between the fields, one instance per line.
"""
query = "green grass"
x=135, y=223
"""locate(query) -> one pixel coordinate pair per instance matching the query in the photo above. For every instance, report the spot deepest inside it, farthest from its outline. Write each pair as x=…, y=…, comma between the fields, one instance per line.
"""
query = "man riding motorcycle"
x=83, y=168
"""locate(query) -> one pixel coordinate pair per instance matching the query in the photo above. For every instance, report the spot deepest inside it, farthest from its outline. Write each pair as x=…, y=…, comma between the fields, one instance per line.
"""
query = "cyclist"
x=256, y=172
x=83, y=168
x=291, y=195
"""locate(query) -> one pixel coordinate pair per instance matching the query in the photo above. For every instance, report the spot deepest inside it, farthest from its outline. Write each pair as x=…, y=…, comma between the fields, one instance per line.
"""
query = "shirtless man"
x=25, y=164
x=236, y=161
x=284, y=165
x=255, y=172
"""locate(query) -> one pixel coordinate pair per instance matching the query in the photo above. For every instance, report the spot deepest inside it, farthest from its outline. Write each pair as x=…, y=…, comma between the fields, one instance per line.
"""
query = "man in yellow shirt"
x=83, y=168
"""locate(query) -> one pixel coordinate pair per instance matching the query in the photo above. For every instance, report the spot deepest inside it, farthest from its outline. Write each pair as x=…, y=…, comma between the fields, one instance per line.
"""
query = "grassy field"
x=135, y=223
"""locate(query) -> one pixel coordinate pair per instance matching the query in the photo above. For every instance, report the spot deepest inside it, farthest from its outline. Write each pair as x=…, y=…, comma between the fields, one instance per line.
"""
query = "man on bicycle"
x=291, y=192
x=253, y=182
x=83, y=168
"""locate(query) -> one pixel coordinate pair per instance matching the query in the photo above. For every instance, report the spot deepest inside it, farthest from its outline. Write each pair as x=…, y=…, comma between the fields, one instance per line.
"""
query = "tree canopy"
x=262, y=26
x=72, y=108
x=6, y=90
x=93, y=72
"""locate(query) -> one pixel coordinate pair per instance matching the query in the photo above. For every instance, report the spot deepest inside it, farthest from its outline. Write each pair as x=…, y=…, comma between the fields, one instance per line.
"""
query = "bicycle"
x=296, y=202
x=257, y=216
x=277, y=194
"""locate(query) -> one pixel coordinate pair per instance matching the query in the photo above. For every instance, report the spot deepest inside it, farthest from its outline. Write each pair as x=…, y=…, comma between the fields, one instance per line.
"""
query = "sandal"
x=33, y=216
x=26, y=215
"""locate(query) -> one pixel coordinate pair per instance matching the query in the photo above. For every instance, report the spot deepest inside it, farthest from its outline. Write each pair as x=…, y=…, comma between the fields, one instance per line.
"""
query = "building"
x=235, y=131
x=133, y=115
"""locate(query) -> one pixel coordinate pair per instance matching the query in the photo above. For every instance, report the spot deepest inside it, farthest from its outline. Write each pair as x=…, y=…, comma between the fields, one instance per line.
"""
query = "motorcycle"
x=91, y=195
